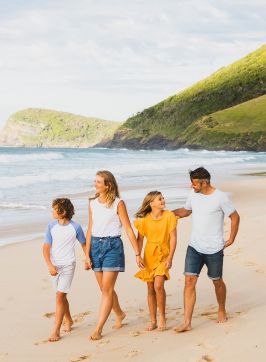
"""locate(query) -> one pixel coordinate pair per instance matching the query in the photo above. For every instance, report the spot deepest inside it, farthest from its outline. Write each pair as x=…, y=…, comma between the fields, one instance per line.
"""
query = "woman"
x=104, y=247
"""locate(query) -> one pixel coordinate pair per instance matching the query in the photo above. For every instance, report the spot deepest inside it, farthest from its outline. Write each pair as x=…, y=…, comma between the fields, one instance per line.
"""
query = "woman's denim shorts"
x=107, y=253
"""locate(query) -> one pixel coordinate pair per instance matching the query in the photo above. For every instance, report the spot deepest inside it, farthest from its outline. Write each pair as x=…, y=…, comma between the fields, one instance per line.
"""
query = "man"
x=208, y=207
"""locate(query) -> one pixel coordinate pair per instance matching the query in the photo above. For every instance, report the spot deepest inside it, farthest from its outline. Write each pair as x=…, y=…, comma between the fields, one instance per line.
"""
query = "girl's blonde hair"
x=146, y=207
x=112, y=188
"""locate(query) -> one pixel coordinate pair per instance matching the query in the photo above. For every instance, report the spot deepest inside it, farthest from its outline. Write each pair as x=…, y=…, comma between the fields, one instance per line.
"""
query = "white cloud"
x=112, y=59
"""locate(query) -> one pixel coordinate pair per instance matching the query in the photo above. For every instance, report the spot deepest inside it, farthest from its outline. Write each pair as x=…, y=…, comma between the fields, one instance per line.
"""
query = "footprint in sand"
x=81, y=358
x=3, y=354
x=49, y=314
x=104, y=341
x=41, y=342
x=78, y=318
x=135, y=334
x=207, y=358
x=132, y=353
x=249, y=263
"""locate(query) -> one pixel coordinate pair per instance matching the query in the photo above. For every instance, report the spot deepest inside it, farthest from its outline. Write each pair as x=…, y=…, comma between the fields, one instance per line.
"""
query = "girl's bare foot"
x=184, y=327
x=68, y=323
x=151, y=326
x=118, y=320
x=54, y=337
x=96, y=335
x=222, y=318
x=162, y=325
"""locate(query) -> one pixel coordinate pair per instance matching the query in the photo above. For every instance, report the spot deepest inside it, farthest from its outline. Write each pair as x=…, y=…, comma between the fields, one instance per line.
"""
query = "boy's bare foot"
x=222, y=318
x=54, y=337
x=162, y=325
x=151, y=326
x=96, y=335
x=68, y=323
x=184, y=327
x=118, y=320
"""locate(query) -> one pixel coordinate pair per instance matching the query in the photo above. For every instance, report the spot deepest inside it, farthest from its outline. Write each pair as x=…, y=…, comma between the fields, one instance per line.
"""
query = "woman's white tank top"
x=105, y=220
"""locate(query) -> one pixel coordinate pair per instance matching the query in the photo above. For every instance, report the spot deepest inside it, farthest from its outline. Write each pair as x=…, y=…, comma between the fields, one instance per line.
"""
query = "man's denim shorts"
x=195, y=261
x=107, y=254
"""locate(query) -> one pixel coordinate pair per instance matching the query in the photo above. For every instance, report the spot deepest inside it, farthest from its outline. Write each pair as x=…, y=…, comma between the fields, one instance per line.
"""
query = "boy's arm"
x=46, y=254
x=169, y=260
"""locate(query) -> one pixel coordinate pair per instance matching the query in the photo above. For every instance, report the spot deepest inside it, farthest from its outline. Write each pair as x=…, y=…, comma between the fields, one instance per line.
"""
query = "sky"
x=113, y=58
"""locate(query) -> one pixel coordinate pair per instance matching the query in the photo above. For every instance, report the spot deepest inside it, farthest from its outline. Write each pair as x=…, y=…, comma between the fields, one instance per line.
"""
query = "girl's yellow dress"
x=157, y=248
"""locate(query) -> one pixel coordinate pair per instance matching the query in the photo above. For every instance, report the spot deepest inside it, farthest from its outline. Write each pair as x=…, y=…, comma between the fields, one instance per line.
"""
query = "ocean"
x=30, y=178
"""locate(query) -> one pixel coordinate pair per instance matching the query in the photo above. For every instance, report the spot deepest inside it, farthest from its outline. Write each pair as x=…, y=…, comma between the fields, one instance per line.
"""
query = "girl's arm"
x=169, y=260
x=123, y=216
x=140, y=242
x=88, y=242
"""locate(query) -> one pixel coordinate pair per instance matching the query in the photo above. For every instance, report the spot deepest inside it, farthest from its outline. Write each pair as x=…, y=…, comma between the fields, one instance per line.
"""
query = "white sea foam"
x=13, y=158
x=13, y=205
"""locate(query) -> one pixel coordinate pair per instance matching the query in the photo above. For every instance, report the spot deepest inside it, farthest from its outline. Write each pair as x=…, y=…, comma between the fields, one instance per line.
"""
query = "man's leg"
x=189, y=302
x=220, y=290
x=152, y=303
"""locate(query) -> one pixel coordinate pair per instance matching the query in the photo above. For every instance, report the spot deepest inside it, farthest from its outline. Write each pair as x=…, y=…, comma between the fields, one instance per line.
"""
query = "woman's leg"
x=119, y=314
x=152, y=303
x=107, y=287
x=161, y=298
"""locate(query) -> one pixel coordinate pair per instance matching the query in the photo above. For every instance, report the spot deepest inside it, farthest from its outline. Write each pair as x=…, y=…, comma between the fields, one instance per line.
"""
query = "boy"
x=59, y=254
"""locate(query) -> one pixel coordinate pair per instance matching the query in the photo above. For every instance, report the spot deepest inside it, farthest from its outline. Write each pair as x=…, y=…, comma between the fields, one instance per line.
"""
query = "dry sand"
x=27, y=302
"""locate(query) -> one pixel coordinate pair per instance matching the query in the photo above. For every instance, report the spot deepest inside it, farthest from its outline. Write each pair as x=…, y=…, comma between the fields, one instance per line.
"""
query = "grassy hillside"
x=239, y=127
x=42, y=127
x=164, y=123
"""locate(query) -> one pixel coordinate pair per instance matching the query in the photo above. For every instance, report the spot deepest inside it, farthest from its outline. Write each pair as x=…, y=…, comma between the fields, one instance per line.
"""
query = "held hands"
x=168, y=263
x=87, y=264
x=140, y=262
x=53, y=270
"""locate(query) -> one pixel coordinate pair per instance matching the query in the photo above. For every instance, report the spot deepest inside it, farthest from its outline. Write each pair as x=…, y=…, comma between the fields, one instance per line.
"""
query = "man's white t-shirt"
x=208, y=213
x=62, y=238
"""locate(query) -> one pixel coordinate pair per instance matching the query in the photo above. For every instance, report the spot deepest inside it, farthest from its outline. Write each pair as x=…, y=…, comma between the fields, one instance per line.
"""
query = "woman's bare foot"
x=184, y=327
x=68, y=323
x=96, y=335
x=118, y=320
x=54, y=337
x=162, y=325
x=222, y=318
x=151, y=326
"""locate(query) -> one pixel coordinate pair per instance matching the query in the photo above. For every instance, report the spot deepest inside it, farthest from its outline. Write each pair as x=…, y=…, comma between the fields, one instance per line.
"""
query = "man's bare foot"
x=162, y=325
x=184, y=327
x=118, y=320
x=96, y=335
x=54, y=337
x=222, y=318
x=68, y=323
x=151, y=326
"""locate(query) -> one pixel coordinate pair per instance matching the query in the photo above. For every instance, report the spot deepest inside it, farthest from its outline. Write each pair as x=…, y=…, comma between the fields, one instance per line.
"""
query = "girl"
x=104, y=247
x=159, y=227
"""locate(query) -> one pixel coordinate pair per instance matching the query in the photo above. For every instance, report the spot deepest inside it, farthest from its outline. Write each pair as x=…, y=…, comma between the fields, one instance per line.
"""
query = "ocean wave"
x=13, y=205
x=13, y=158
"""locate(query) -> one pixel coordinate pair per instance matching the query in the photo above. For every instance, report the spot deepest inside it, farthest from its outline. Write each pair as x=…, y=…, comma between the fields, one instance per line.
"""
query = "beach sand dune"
x=27, y=302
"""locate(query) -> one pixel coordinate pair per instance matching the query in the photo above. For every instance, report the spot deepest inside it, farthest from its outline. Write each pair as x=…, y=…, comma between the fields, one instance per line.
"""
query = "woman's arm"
x=123, y=216
x=169, y=260
x=88, y=242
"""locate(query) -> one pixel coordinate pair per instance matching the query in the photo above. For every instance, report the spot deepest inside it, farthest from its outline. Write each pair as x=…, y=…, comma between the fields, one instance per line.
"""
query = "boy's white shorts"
x=62, y=281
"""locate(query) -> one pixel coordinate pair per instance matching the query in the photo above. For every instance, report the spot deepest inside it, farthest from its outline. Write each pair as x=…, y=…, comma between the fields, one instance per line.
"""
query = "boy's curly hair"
x=64, y=207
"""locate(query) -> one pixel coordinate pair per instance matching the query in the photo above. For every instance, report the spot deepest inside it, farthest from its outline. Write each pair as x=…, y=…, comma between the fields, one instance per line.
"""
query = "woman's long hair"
x=146, y=207
x=112, y=188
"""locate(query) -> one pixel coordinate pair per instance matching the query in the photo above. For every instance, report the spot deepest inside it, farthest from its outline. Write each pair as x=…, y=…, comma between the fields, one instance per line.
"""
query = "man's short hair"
x=201, y=174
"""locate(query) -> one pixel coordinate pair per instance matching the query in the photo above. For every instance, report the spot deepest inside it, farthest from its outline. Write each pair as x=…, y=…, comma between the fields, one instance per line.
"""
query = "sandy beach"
x=27, y=301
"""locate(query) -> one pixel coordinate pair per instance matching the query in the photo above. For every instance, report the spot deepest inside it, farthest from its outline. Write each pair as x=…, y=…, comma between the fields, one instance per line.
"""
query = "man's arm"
x=235, y=220
x=182, y=212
